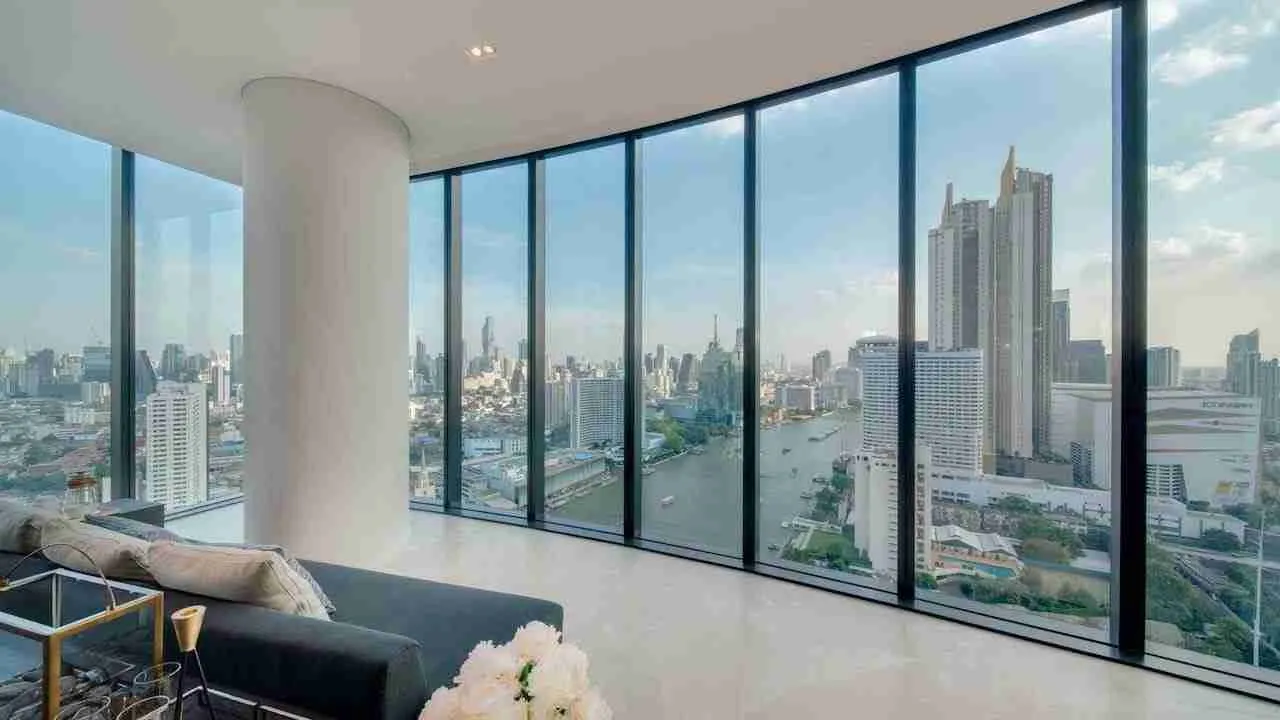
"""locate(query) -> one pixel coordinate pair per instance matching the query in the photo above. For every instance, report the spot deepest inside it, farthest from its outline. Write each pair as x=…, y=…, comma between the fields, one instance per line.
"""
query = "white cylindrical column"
x=326, y=183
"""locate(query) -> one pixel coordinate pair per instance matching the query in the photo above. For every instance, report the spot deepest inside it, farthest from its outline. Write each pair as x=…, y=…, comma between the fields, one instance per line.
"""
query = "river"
x=706, y=509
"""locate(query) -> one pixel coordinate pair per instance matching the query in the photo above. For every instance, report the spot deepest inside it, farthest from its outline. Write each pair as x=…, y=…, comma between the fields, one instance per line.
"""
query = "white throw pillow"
x=118, y=555
x=254, y=577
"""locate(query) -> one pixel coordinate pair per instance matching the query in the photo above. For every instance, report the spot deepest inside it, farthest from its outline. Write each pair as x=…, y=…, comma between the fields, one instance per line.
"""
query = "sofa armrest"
x=330, y=668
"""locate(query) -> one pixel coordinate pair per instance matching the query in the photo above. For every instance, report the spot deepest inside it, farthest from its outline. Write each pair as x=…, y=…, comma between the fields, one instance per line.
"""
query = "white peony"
x=488, y=665
x=558, y=681
x=443, y=705
x=591, y=706
x=534, y=641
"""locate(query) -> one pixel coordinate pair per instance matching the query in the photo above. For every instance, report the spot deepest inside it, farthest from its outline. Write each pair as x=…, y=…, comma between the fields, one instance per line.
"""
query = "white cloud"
x=1162, y=13
x=1181, y=178
x=1207, y=246
x=1253, y=129
x=729, y=127
x=1193, y=63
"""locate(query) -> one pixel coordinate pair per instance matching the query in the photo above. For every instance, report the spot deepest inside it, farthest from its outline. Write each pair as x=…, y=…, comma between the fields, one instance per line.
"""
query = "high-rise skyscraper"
x=97, y=364
x=595, y=411
x=719, y=383
x=956, y=289
x=648, y=363
x=221, y=378
x=487, y=346
x=522, y=349
x=237, y=359
x=660, y=358
x=1269, y=390
x=1164, y=367
x=421, y=365
x=144, y=376
x=177, y=448
x=1087, y=362
x=1019, y=375
x=557, y=402
x=1243, y=358
x=687, y=374
x=821, y=365
x=1060, y=335
x=173, y=362
x=991, y=287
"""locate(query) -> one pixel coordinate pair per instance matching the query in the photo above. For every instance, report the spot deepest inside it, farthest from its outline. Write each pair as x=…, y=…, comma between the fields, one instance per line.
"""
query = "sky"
x=828, y=209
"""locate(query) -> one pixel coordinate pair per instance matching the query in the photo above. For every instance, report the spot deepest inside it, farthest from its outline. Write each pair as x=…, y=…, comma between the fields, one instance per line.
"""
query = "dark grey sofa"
x=393, y=640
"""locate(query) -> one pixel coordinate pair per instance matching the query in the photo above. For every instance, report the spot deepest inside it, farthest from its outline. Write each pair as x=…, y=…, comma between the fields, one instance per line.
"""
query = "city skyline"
x=1206, y=245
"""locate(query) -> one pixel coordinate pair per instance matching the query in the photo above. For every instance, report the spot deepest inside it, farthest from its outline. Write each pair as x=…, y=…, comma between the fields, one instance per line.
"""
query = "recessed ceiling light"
x=479, y=52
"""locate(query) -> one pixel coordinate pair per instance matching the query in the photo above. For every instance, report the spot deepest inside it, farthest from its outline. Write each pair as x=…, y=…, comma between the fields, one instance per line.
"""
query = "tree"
x=1219, y=540
x=926, y=581
x=1045, y=550
x=673, y=439
x=1015, y=504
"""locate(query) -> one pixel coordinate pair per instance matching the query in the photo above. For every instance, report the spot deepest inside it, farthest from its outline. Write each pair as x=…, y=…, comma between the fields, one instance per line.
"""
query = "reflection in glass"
x=494, y=315
x=1213, y=377
x=829, y=296
x=55, y=354
x=1014, y=231
x=427, y=341
x=189, y=374
x=585, y=312
x=692, y=284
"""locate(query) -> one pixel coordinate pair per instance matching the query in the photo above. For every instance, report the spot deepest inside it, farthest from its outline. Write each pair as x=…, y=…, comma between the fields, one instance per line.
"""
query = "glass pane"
x=55, y=288
x=1014, y=233
x=1213, y=397
x=585, y=314
x=189, y=373
x=495, y=294
x=426, y=340
x=691, y=215
x=828, y=173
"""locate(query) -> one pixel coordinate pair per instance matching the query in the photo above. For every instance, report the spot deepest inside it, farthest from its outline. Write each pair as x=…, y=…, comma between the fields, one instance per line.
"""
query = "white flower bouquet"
x=533, y=677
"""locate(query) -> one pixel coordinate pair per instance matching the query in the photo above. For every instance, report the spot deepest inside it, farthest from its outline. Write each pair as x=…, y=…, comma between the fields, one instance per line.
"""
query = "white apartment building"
x=595, y=411
x=875, y=509
x=177, y=467
x=950, y=414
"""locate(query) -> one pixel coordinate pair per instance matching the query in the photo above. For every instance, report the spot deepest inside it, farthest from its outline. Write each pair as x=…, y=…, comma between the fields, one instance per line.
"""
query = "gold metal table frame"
x=51, y=637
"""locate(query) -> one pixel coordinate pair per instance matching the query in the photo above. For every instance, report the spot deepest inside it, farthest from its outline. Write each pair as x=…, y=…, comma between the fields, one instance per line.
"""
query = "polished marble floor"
x=671, y=638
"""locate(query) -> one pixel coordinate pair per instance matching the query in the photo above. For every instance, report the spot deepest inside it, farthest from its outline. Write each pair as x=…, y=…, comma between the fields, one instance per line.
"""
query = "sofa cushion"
x=133, y=528
x=153, y=533
x=118, y=556
x=256, y=577
x=20, y=526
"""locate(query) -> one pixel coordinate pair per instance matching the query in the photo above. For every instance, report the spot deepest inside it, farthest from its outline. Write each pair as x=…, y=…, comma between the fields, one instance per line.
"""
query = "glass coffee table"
x=66, y=635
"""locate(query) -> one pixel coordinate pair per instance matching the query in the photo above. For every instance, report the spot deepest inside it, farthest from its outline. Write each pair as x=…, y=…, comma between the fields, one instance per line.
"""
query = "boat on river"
x=668, y=500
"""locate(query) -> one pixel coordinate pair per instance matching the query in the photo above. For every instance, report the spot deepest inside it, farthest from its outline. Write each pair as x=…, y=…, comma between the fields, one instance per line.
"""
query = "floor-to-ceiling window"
x=828, y=195
x=1213, y=378
x=426, y=340
x=1013, y=294
x=585, y=312
x=494, y=339
x=55, y=323
x=690, y=196
x=189, y=373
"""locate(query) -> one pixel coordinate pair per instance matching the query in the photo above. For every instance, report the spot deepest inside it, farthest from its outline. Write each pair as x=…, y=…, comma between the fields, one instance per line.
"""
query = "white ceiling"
x=163, y=77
